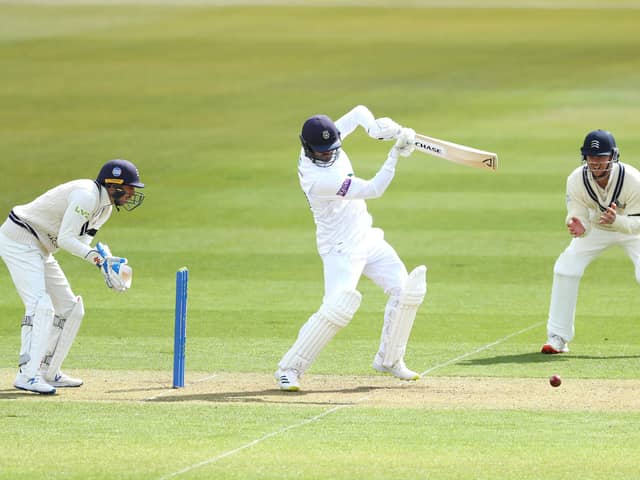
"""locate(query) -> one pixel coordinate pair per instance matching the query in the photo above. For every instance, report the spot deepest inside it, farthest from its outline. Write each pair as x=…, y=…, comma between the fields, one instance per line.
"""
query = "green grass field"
x=208, y=101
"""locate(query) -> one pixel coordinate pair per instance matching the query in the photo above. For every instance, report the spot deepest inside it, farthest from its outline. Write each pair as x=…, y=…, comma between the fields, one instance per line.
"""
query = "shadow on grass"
x=537, y=357
x=13, y=394
x=271, y=395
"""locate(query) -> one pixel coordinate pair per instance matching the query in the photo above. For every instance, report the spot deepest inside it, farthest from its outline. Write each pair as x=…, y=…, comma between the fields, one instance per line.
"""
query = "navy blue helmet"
x=114, y=175
x=119, y=172
x=600, y=143
x=319, y=136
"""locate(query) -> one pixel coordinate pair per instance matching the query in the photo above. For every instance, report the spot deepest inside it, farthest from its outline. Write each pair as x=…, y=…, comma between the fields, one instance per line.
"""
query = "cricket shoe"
x=288, y=380
x=33, y=384
x=399, y=370
x=555, y=344
x=63, y=380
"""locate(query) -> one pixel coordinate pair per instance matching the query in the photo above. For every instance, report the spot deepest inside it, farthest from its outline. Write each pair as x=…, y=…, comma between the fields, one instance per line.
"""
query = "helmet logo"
x=116, y=172
x=595, y=144
x=326, y=135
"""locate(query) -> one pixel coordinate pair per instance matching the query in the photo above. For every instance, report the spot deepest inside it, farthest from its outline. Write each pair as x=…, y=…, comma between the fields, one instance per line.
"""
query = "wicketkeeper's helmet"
x=117, y=173
x=320, y=135
x=600, y=143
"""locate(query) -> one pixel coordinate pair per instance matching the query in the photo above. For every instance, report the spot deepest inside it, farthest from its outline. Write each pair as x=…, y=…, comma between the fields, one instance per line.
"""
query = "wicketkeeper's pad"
x=61, y=338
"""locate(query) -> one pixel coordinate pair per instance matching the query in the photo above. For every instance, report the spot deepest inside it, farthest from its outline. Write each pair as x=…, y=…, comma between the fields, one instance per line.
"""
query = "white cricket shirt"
x=67, y=216
x=586, y=199
x=336, y=196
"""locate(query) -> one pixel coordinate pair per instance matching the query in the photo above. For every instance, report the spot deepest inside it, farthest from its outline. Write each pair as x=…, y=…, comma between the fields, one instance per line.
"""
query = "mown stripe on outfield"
x=448, y=4
x=252, y=443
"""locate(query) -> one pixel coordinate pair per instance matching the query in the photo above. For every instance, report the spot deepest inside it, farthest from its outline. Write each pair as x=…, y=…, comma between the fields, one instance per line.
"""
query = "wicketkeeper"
x=603, y=210
x=350, y=247
x=67, y=216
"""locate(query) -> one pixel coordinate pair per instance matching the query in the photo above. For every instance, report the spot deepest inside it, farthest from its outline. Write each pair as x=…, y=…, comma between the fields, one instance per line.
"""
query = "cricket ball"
x=555, y=380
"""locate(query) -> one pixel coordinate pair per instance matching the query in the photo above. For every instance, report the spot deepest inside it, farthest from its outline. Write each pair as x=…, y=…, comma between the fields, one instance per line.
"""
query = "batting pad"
x=401, y=316
x=61, y=339
x=333, y=315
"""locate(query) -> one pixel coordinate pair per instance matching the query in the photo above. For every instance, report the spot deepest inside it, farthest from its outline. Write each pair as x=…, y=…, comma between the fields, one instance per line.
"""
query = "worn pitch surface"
x=365, y=391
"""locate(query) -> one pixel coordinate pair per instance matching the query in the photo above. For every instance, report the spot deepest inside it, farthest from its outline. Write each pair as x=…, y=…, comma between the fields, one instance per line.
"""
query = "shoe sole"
x=285, y=387
x=35, y=391
x=58, y=385
x=290, y=389
x=382, y=369
x=549, y=350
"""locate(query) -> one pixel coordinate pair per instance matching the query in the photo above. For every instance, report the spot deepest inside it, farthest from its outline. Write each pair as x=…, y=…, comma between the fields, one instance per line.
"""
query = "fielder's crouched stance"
x=350, y=247
x=603, y=209
x=67, y=216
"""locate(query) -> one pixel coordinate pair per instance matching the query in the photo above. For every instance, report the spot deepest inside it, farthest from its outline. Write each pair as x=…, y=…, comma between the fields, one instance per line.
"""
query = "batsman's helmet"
x=600, y=143
x=117, y=173
x=320, y=135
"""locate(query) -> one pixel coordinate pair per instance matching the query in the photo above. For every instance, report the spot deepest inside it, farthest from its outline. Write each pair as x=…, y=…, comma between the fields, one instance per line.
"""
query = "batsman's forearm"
x=359, y=115
x=379, y=183
x=366, y=189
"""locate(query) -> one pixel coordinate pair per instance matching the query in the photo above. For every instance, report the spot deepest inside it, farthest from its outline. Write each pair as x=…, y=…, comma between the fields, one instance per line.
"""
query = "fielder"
x=350, y=247
x=603, y=209
x=67, y=216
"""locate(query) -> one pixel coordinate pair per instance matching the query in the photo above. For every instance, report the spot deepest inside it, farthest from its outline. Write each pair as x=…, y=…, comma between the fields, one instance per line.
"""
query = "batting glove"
x=384, y=129
x=405, y=144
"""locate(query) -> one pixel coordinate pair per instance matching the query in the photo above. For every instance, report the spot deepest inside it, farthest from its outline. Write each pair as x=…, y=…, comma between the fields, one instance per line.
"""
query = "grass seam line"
x=252, y=443
x=334, y=409
x=478, y=350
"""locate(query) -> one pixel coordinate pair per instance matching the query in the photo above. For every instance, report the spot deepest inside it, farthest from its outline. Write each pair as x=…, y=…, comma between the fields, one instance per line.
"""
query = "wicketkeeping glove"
x=117, y=274
x=384, y=129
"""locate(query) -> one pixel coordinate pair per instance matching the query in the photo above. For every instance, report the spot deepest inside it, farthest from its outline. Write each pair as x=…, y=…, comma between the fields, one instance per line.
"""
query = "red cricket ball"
x=555, y=380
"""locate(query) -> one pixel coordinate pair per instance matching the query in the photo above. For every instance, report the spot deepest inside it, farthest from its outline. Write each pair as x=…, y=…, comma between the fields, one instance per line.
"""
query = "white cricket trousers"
x=36, y=276
x=374, y=258
x=570, y=267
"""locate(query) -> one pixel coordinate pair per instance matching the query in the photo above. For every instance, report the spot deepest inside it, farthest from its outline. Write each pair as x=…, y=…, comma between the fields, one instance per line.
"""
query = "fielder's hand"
x=576, y=229
x=405, y=144
x=384, y=129
x=609, y=215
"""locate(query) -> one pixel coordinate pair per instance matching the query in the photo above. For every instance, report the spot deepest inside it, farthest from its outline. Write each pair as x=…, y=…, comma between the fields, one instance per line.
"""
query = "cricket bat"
x=472, y=157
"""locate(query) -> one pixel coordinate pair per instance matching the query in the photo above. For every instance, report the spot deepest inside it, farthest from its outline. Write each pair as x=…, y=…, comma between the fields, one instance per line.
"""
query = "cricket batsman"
x=66, y=217
x=350, y=246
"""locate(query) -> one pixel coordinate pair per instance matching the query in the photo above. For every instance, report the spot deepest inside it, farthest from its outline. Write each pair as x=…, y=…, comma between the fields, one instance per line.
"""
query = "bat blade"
x=471, y=157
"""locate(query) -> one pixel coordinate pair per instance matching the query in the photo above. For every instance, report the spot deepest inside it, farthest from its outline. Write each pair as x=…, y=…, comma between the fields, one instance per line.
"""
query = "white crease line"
x=334, y=409
x=252, y=443
x=478, y=350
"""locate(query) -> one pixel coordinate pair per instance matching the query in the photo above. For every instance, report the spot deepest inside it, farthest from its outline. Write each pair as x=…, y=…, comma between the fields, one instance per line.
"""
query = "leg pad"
x=322, y=326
